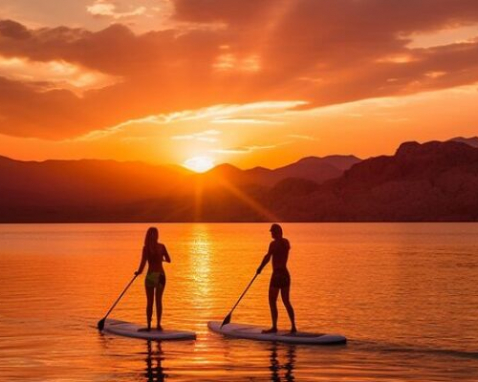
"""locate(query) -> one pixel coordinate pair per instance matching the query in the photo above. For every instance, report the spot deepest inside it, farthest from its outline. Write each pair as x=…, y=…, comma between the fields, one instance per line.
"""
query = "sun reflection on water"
x=200, y=263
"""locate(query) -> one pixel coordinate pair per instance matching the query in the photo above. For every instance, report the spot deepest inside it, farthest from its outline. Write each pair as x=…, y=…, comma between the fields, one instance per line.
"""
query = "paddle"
x=101, y=323
x=227, y=320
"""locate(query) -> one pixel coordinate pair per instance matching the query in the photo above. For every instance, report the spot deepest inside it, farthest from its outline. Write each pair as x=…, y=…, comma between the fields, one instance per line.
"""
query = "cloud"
x=228, y=62
x=229, y=11
x=302, y=137
x=245, y=149
x=268, y=111
x=105, y=8
x=49, y=75
x=13, y=30
x=235, y=113
x=442, y=37
x=246, y=121
x=316, y=52
x=204, y=136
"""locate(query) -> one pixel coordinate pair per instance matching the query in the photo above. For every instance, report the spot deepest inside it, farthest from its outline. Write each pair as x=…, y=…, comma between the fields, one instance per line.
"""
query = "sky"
x=247, y=82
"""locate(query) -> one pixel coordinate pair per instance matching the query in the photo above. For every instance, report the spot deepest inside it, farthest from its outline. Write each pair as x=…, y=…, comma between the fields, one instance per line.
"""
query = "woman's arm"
x=142, y=263
x=166, y=255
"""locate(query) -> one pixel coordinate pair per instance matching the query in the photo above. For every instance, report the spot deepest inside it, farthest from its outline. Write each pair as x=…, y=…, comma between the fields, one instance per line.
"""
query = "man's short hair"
x=276, y=228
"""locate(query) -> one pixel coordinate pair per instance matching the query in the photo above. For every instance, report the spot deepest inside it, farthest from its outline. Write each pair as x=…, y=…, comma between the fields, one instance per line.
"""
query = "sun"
x=199, y=164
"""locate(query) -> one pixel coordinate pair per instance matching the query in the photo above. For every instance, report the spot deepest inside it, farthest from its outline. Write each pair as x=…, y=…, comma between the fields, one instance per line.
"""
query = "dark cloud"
x=320, y=51
x=227, y=11
x=28, y=112
x=13, y=30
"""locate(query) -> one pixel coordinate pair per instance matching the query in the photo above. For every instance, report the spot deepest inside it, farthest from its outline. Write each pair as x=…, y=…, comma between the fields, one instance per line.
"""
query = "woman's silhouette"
x=154, y=253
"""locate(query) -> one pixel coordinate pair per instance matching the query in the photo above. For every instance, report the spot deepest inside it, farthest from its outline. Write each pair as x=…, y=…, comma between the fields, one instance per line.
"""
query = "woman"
x=154, y=254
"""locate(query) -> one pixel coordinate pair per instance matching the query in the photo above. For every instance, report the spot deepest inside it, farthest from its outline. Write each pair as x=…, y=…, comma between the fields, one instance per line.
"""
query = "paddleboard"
x=128, y=329
x=253, y=332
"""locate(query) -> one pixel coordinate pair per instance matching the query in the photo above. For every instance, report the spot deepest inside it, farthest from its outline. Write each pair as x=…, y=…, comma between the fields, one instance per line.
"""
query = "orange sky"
x=249, y=82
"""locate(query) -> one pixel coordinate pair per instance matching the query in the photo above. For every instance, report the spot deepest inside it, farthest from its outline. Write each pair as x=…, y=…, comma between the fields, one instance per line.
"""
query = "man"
x=280, y=280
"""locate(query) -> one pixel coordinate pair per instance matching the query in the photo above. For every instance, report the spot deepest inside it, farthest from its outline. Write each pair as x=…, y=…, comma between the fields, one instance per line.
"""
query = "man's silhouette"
x=280, y=280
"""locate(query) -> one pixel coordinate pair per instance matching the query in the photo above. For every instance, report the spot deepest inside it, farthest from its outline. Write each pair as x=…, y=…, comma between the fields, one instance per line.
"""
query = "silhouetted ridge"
x=294, y=186
x=341, y=162
x=411, y=161
x=434, y=181
x=473, y=141
x=224, y=168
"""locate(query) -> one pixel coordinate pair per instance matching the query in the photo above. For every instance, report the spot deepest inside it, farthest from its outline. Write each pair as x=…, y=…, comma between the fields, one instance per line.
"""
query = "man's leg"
x=273, y=294
x=290, y=310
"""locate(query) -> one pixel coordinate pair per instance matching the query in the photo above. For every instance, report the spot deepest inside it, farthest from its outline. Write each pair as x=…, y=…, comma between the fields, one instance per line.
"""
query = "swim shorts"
x=280, y=279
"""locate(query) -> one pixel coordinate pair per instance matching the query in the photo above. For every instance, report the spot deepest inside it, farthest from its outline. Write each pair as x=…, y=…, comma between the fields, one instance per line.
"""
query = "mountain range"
x=434, y=181
x=316, y=169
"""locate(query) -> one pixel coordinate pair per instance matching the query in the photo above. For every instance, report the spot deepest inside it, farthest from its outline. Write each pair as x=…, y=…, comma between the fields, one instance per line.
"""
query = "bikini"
x=155, y=279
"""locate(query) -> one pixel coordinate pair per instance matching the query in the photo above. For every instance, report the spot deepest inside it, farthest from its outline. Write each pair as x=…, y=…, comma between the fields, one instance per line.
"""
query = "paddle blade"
x=227, y=320
x=101, y=324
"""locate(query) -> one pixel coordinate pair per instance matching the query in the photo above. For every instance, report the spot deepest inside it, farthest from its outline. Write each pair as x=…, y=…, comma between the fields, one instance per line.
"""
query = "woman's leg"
x=159, y=305
x=149, y=304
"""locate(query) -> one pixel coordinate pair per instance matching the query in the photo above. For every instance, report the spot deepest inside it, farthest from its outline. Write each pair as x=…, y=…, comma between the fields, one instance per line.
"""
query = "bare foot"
x=144, y=330
x=271, y=330
x=293, y=330
x=159, y=328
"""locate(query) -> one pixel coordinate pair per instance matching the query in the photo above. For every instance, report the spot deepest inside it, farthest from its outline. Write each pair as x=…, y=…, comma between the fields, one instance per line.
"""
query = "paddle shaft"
x=242, y=295
x=121, y=295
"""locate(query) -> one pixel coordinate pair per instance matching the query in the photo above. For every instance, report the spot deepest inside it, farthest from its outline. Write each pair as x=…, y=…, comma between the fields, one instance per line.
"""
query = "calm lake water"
x=405, y=295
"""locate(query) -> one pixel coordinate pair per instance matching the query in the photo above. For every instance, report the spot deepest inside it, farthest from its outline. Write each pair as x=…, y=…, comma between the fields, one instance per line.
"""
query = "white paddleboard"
x=128, y=329
x=253, y=332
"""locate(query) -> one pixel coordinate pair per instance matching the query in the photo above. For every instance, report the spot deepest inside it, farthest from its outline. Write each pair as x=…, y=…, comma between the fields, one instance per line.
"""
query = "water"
x=406, y=296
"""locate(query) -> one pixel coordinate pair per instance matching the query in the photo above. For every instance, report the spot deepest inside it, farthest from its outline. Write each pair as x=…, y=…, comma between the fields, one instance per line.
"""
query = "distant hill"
x=473, y=141
x=99, y=190
x=315, y=169
x=94, y=180
x=434, y=181
x=79, y=190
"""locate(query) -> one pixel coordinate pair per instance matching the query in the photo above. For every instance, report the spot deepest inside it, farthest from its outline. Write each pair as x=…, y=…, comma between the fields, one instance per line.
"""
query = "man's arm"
x=142, y=263
x=266, y=259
